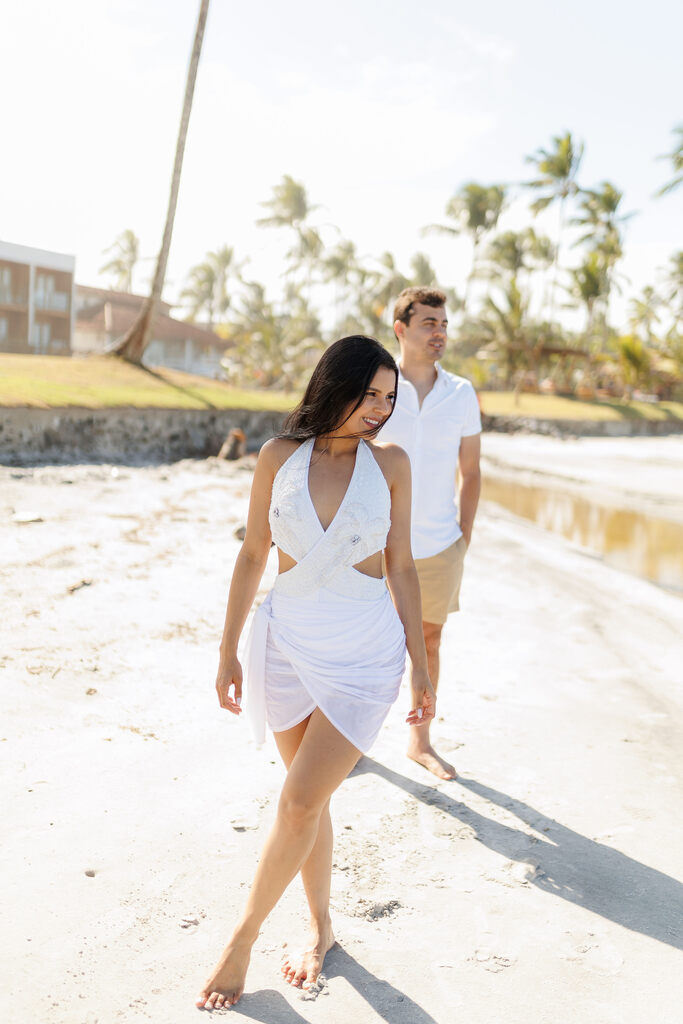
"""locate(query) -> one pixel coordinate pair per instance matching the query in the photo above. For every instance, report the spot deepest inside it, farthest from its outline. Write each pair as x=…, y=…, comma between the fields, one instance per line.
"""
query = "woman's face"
x=376, y=406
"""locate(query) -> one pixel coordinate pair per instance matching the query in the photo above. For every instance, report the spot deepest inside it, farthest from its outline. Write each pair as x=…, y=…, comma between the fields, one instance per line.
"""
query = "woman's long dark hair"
x=341, y=378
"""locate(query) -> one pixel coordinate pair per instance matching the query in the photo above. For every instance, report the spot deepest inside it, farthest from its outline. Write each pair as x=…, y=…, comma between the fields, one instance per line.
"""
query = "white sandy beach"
x=543, y=887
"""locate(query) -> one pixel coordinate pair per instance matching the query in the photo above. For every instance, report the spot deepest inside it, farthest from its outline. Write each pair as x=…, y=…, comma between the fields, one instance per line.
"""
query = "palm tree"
x=674, y=280
x=226, y=269
x=676, y=158
x=272, y=349
x=474, y=209
x=135, y=341
x=600, y=218
x=557, y=170
x=422, y=273
x=644, y=314
x=207, y=289
x=340, y=267
x=200, y=292
x=588, y=285
x=634, y=360
x=126, y=251
x=386, y=284
x=514, y=251
x=289, y=208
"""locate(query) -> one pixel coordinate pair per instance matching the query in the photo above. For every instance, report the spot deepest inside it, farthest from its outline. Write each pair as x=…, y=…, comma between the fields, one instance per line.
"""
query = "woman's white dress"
x=326, y=635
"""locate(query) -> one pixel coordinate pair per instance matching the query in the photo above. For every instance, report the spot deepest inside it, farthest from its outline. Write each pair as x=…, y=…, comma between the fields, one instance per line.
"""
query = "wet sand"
x=544, y=886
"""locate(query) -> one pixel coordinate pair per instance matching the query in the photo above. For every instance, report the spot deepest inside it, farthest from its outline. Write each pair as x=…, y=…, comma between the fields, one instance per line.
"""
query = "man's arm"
x=469, y=482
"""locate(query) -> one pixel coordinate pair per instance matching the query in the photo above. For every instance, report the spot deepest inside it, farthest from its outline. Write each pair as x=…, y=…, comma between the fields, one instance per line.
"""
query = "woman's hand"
x=422, y=698
x=229, y=675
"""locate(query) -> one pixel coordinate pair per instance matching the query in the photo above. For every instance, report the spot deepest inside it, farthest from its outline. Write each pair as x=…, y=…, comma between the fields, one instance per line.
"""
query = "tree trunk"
x=556, y=261
x=137, y=338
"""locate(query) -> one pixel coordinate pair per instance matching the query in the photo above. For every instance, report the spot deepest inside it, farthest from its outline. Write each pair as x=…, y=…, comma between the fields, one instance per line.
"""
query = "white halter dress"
x=326, y=635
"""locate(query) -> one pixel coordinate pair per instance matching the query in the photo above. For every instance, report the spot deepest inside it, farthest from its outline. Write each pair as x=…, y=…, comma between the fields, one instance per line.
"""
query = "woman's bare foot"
x=304, y=968
x=429, y=759
x=226, y=984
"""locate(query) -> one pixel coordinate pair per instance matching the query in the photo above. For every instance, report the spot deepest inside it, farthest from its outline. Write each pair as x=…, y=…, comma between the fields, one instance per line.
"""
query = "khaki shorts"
x=440, y=577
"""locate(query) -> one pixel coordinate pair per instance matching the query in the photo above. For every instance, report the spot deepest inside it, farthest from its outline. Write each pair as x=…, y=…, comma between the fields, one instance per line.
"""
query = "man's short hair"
x=409, y=297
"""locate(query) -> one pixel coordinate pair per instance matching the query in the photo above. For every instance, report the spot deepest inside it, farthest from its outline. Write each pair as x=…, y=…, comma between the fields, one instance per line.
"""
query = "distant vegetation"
x=507, y=331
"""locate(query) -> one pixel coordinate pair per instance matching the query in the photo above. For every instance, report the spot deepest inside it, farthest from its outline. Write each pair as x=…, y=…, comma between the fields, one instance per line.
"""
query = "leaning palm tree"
x=126, y=253
x=135, y=341
x=556, y=182
x=676, y=158
x=475, y=210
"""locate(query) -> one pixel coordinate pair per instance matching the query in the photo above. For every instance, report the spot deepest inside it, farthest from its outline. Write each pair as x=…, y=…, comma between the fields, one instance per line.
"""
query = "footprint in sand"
x=492, y=962
x=600, y=957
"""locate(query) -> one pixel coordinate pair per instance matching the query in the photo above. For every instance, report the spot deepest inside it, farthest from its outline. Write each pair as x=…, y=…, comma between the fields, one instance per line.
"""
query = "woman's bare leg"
x=320, y=765
x=316, y=875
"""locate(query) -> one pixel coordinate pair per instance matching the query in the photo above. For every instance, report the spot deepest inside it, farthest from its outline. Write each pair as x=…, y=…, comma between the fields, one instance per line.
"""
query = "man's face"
x=424, y=338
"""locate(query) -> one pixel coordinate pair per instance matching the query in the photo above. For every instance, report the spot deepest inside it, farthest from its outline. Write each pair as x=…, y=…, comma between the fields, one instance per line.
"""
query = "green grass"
x=556, y=407
x=45, y=382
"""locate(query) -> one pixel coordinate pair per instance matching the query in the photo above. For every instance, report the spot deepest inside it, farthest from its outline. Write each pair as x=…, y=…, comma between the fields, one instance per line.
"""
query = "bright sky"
x=381, y=109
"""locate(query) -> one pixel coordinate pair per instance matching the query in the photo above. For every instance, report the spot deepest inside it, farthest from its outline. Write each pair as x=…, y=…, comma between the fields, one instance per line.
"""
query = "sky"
x=383, y=110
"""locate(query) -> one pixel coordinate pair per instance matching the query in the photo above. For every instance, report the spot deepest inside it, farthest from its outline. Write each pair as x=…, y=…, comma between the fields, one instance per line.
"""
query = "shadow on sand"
x=393, y=1006
x=565, y=864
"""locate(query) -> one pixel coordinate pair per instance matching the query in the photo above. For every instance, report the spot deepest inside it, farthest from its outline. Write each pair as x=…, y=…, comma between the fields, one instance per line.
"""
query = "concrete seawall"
x=582, y=428
x=133, y=436
x=125, y=435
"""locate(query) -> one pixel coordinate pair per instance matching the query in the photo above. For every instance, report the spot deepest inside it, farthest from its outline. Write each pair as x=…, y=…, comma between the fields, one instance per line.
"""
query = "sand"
x=542, y=887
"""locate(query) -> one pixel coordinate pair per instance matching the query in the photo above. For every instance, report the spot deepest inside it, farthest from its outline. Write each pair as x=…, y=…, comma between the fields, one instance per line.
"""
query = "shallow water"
x=648, y=546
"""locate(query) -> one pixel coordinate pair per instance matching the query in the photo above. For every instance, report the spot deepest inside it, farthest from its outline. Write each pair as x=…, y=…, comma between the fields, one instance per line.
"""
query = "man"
x=437, y=421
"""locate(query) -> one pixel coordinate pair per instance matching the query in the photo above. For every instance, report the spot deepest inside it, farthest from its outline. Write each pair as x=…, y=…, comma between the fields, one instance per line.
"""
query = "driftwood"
x=234, y=446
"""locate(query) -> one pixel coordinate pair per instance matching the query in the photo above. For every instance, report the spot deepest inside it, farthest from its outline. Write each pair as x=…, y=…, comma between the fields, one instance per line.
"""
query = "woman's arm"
x=404, y=585
x=249, y=568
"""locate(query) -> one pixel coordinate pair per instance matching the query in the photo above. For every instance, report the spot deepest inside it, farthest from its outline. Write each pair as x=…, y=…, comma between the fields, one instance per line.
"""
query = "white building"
x=36, y=300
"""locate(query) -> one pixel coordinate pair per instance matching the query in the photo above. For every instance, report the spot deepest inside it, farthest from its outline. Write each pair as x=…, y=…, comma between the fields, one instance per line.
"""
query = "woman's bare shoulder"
x=275, y=452
x=392, y=460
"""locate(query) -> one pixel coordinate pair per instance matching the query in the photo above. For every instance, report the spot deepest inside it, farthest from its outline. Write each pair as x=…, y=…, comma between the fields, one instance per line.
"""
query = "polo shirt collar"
x=441, y=378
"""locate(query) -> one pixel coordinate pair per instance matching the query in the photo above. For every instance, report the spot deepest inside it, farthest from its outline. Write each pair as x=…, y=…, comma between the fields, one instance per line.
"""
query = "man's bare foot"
x=429, y=759
x=303, y=969
x=226, y=984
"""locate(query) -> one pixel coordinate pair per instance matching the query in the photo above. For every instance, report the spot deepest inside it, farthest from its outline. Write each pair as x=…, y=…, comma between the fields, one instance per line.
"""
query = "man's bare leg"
x=321, y=764
x=420, y=748
x=303, y=969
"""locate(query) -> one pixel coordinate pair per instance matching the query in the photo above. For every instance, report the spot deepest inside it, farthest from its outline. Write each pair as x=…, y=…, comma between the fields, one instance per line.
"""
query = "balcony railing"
x=9, y=298
x=55, y=301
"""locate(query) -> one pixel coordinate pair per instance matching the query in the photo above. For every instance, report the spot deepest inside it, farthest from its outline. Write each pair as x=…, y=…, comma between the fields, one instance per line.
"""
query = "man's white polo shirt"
x=431, y=436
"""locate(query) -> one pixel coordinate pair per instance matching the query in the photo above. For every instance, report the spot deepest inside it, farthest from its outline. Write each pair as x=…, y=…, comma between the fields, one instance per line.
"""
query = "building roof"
x=59, y=261
x=86, y=295
x=123, y=310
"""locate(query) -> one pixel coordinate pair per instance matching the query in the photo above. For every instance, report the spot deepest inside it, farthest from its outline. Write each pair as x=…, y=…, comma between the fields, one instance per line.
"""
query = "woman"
x=326, y=651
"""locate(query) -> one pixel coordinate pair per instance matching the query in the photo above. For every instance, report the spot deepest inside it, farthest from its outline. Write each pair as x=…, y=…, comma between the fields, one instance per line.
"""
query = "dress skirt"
x=344, y=655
